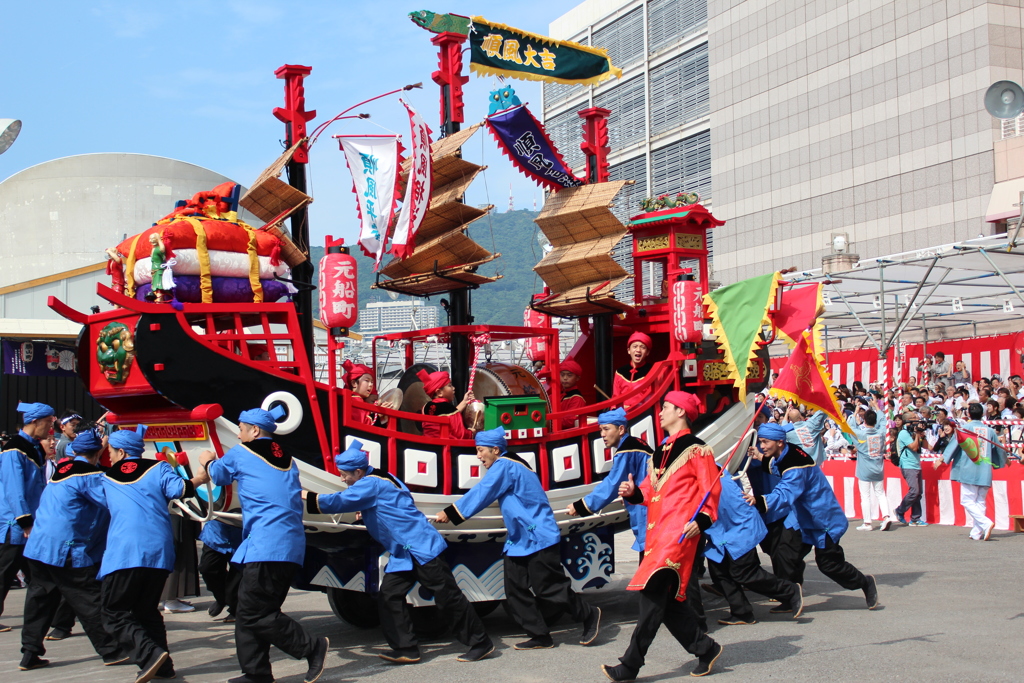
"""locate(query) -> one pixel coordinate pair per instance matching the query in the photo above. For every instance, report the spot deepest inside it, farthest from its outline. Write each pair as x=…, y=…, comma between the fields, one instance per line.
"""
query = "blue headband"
x=354, y=458
x=87, y=442
x=34, y=411
x=493, y=438
x=128, y=441
x=613, y=417
x=264, y=419
x=771, y=431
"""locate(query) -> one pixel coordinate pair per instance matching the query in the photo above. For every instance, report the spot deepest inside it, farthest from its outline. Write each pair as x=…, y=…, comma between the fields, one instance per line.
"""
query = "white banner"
x=373, y=162
x=417, y=189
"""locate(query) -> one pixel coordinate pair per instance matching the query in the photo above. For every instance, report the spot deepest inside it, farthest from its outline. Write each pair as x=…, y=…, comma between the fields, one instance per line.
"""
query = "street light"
x=9, y=129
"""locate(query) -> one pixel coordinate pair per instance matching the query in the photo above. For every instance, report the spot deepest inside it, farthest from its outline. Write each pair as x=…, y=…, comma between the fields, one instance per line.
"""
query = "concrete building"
x=824, y=117
x=397, y=316
x=659, y=128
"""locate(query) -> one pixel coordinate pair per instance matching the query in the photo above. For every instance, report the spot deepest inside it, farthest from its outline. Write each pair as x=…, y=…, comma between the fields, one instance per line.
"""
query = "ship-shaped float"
x=187, y=359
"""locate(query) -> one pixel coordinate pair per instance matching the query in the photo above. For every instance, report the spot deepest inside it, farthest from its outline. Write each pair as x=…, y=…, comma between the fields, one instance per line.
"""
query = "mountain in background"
x=513, y=234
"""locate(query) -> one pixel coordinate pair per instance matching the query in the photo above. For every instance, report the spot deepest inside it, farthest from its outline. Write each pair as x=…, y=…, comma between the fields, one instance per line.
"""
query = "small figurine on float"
x=115, y=269
x=162, y=260
x=629, y=375
x=572, y=400
x=438, y=386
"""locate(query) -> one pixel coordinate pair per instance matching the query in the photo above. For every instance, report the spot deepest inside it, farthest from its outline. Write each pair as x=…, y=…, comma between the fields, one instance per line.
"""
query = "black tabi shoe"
x=4, y=628
x=116, y=658
x=737, y=621
x=871, y=592
x=591, y=626
x=619, y=672
x=166, y=672
x=215, y=609
x=783, y=608
x=401, y=656
x=32, y=661
x=245, y=678
x=705, y=663
x=58, y=634
x=229, y=619
x=152, y=666
x=539, y=643
x=798, y=606
x=477, y=653
x=710, y=588
x=316, y=660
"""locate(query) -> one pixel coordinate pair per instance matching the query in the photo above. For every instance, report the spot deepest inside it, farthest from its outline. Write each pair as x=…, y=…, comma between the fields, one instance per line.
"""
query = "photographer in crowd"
x=909, y=442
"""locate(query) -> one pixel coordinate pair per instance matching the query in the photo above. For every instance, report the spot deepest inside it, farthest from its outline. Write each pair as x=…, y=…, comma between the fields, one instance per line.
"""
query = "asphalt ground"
x=952, y=610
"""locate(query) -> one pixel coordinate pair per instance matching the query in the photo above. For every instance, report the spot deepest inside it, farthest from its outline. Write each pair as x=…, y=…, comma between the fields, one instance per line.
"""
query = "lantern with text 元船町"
x=687, y=312
x=536, y=347
x=339, y=304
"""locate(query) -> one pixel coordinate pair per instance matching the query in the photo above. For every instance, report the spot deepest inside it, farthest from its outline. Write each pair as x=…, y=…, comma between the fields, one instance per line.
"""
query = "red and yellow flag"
x=804, y=380
x=798, y=310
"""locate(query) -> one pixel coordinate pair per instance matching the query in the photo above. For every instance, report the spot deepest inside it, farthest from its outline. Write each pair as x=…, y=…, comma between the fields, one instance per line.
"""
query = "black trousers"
x=79, y=589
x=64, y=619
x=542, y=572
x=832, y=563
x=693, y=595
x=658, y=605
x=131, y=612
x=732, y=576
x=222, y=578
x=11, y=562
x=259, y=621
x=787, y=549
x=436, y=576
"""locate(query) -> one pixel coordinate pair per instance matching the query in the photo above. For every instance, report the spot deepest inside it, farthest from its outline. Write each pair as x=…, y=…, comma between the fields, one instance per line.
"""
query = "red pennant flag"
x=798, y=311
x=804, y=380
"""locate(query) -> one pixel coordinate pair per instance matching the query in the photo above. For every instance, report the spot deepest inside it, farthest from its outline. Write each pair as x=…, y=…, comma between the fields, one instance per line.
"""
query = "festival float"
x=212, y=316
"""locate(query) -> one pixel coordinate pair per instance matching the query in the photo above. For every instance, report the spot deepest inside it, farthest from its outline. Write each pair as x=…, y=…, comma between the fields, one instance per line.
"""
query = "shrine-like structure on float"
x=212, y=316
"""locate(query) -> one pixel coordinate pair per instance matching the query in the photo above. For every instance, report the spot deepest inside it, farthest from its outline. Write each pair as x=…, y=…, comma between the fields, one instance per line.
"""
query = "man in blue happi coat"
x=140, y=549
x=975, y=473
x=222, y=577
x=532, y=556
x=804, y=489
x=272, y=549
x=63, y=555
x=731, y=551
x=807, y=433
x=21, y=485
x=417, y=554
x=631, y=456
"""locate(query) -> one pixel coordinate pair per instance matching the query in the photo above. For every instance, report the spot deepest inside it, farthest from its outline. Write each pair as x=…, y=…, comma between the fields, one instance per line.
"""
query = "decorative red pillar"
x=595, y=143
x=449, y=77
x=294, y=114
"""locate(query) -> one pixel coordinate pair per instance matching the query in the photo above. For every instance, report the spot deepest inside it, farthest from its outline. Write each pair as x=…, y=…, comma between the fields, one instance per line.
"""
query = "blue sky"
x=194, y=80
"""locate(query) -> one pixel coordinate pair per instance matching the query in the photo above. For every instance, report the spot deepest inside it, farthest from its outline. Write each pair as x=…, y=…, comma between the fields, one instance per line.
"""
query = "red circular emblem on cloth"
x=276, y=450
x=129, y=467
x=64, y=469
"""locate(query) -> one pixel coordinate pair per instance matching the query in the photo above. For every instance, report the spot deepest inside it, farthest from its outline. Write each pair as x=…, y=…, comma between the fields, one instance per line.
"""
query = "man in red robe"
x=634, y=372
x=681, y=494
x=438, y=386
x=572, y=399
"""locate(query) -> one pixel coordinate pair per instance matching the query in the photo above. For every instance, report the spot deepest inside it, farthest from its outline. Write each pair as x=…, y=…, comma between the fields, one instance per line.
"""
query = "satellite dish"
x=1004, y=100
x=9, y=129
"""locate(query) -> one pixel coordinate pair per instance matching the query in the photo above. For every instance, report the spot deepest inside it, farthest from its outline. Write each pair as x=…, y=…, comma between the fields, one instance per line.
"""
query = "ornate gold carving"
x=685, y=240
x=716, y=371
x=652, y=243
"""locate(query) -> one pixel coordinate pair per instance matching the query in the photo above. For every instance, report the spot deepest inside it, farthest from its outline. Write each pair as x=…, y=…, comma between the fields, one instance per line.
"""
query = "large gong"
x=492, y=379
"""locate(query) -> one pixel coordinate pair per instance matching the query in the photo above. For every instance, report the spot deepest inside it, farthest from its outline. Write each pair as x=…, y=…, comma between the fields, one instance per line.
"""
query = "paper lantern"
x=687, y=311
x=339, y=303
x=536, y=347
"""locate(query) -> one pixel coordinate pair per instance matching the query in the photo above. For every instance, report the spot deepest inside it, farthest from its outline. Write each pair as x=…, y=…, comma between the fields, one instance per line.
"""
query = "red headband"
x=354, y=371
x=432, y=381
x=687, y=402
x=639, y=337
x=570, y=365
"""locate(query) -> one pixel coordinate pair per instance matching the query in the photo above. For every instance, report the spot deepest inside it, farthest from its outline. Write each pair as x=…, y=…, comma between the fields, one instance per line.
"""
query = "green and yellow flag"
x=738, y=311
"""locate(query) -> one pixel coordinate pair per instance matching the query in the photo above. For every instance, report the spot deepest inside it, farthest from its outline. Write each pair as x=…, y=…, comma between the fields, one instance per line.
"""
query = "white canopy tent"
x=953, y=290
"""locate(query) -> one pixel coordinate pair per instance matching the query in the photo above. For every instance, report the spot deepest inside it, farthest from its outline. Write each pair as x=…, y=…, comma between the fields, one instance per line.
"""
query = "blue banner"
x=39, y=359
x=523, y=140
